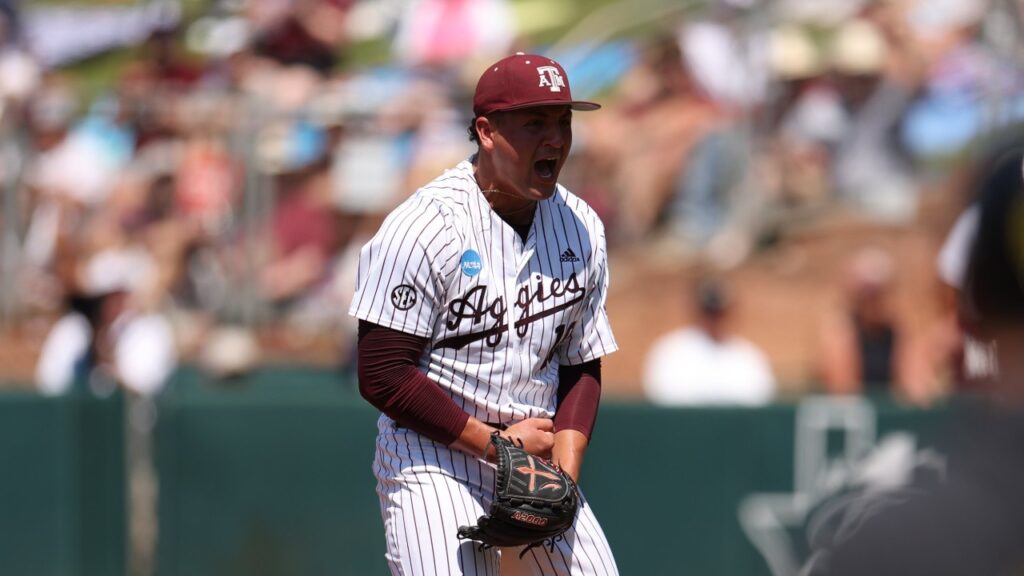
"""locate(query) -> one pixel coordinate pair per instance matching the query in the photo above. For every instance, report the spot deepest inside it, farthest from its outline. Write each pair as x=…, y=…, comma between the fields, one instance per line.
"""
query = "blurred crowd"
x=227, y=177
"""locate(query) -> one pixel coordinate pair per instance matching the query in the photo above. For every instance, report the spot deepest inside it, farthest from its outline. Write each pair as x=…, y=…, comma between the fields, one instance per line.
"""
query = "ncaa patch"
x=470, y=263
x=403, y=297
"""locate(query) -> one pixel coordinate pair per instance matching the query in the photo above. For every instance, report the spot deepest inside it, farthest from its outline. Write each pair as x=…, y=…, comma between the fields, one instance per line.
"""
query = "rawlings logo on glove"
x=534, y=501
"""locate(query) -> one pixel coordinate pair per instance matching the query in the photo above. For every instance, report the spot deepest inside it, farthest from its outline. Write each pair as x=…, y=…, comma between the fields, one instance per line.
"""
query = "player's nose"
x=555, y=138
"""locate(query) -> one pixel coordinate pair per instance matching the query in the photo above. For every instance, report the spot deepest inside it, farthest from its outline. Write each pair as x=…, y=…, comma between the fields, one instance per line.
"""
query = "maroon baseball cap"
x=524, y=81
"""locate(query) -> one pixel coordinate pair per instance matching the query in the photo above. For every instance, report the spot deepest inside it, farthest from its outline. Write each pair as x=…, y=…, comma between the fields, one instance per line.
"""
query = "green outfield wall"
x=62, y=485
x=270, y=475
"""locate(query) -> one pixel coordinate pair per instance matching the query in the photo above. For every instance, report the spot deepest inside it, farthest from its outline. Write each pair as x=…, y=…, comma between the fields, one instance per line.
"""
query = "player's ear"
x=486, y=126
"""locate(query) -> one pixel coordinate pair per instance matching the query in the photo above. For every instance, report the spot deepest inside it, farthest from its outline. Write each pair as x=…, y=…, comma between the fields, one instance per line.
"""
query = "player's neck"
x=512, y=208
x=520, y=218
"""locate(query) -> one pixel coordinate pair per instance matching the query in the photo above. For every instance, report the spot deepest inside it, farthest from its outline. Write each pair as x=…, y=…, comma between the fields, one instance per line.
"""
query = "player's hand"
x=537, y=435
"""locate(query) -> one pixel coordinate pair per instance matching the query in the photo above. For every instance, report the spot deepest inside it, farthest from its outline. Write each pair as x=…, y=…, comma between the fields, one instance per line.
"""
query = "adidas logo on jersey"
x=569, y=256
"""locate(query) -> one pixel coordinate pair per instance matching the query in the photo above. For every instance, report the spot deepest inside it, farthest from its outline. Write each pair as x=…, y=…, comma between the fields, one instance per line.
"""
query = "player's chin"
x=542, y=192
x=543, y=188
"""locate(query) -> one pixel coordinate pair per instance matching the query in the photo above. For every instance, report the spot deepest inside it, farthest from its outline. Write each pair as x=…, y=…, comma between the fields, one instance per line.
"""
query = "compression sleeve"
x=390, y=380
x=579, y=393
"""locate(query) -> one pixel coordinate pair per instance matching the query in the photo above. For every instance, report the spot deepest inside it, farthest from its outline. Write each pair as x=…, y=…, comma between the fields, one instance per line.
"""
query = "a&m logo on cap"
x=471, y=263
x=550, y=77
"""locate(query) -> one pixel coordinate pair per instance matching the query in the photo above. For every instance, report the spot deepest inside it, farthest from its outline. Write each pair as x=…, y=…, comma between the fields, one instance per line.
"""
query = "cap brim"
x=579, y=105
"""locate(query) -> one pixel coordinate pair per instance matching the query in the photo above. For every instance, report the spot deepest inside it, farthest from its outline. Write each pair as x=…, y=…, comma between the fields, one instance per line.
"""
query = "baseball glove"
x=534, y=501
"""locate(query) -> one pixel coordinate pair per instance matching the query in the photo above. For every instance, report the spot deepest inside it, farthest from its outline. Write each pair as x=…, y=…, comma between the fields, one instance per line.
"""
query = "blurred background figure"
x=109, y=335
x=303, y=224
x=705, y=363
x=306, y=32
x=802, y=120
x=863, y=346
x=871, y=168
x=660, y=100
x=860, y=339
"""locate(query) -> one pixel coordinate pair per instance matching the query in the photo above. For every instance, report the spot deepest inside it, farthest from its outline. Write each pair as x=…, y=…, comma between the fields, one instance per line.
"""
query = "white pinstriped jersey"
x=501, y=314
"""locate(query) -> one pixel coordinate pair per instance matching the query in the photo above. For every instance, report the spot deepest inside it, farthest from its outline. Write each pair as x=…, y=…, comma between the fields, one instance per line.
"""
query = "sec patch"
x=403, y=297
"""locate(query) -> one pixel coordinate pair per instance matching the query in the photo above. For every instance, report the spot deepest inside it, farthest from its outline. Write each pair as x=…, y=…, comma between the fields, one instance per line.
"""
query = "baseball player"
x=481, y=302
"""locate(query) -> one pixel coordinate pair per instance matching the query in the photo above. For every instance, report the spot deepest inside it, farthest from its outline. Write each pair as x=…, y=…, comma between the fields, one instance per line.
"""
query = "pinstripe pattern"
x=501, y=315
x=428, y=490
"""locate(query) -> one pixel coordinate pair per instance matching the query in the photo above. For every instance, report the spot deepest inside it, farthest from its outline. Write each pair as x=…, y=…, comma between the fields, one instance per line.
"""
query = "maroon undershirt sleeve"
x=390, y=380
x=579, y=393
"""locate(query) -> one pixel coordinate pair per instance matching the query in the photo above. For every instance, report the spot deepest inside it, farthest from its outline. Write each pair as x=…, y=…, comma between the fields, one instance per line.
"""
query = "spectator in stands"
x=304, y=224
x=705, y=363
x=48, y=213
x=862, y=346
x=307, y=32
x=659, y=99
x=726, y=55
x=105, y=332
x=858, y=340
x=871, y=170
x=805, y=119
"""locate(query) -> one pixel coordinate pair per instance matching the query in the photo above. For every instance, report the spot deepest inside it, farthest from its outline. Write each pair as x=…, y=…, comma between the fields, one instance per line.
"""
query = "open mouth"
x=545, y=168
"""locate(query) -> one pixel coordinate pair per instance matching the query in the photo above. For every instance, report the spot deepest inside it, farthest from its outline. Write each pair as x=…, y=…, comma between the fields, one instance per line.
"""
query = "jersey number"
x=561, y=331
